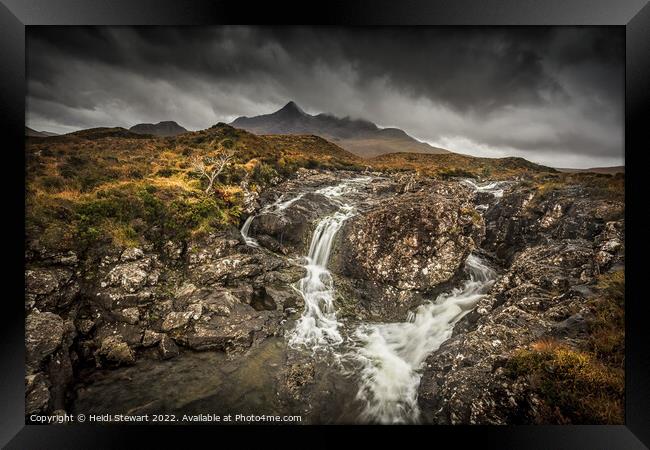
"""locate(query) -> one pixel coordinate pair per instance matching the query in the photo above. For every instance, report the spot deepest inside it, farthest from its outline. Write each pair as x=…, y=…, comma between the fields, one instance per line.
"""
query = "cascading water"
x=274, y=208
x=387, y=358
x=391, y=354
x=244, y=232
x=318, y=325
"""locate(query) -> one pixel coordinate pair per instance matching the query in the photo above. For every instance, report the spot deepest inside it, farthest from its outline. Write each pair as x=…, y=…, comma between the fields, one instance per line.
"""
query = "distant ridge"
x=361, y=137
x=165, y=128
x=33, y=133
x=610, y=170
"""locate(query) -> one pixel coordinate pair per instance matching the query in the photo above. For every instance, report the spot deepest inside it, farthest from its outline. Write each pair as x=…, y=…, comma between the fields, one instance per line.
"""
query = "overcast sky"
x=551, y=95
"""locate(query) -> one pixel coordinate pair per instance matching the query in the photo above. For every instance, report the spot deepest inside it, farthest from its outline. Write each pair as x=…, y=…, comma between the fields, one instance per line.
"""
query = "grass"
x=109, y=187
x=582, y=383
x=575, y=387
x=452, y=165
x=596, y=185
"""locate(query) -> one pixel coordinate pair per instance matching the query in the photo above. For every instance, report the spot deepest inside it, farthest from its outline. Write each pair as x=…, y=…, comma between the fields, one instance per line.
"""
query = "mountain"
x=166, y=128
x=357, y=136
x=33, y=133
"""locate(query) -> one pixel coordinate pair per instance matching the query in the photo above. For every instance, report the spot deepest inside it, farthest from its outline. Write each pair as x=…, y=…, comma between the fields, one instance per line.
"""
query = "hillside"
x=361, y=137
x=453, y=164
x=98, y=186
x=166, y=128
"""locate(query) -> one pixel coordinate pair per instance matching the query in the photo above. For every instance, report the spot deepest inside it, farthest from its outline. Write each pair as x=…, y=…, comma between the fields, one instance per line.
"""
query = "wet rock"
x=114, y=352
x=239, y=330
x=285, y=298
x=130, y=315
x=525, y=216
x=44, y=333
x=534, y=298
x=37, y=394
x=416, y=241
x=297, y=376
x=167, y=347
x=60, y=374
x=151, y=338
x=291, y=227
x=176, y=319
x=50, y=287
x=131, y=334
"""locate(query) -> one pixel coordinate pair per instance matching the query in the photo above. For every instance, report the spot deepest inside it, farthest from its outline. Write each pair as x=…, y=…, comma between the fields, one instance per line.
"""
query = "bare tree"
x=211, y=166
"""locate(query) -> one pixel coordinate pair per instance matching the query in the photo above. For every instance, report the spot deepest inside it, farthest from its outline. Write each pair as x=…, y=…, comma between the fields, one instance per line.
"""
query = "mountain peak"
x=291, y=108
x=358, y=136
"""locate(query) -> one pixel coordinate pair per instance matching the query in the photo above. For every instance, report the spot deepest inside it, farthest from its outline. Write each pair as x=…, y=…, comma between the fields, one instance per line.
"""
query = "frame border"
x=634, y=15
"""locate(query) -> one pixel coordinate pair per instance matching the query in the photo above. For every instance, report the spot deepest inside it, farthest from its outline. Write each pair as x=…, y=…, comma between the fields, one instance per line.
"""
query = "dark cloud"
x=551, y=94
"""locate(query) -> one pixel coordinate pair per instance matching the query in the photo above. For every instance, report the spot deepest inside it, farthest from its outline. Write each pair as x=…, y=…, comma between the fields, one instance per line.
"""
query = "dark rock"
x=238, y=330
x=44, y=333
x=292, y=227
x=532, y=299
x=114, y=352
x=151, y=338
x=416, y=241
x=167, y=347
x=50, y=287
x=37, y=391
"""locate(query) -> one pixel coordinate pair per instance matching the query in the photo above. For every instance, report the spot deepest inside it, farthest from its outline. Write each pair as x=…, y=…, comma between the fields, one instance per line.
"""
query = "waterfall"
x=274, y=208
x=244, y=232
x=318, y=325
x=390, y=355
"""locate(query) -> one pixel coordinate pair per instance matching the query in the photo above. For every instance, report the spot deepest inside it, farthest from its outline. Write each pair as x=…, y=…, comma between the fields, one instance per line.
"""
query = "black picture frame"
x=634, y=15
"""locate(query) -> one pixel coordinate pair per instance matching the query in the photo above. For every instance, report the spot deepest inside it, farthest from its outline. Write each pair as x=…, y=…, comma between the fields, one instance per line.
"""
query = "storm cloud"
x=553, y=95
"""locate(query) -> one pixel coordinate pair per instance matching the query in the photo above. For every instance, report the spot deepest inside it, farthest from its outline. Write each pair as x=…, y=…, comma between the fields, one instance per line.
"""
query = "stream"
x=365, y=372
x=384, y=358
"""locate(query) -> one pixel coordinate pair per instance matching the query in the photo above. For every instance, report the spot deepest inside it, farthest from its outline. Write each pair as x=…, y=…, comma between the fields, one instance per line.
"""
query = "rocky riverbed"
x=438, y=280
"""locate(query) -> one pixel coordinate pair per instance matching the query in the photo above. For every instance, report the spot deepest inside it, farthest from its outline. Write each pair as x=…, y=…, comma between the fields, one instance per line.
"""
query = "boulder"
x=37, y=394
x=239, y=330
x=133, y=275
x=114, y=352
x=176, y=319
x=167, y=347
x=44, y=333
x=151, y=338
x=50, y=287
x=414, y=241
x=290, y=227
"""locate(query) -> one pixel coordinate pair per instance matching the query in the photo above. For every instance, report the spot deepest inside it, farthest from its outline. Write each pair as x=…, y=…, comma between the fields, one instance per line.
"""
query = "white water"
x=244, y=232
x=274, y=208
x=392, y=354
x=387, y=357
x=493, y=187
x=278, y=206
x=318, y=325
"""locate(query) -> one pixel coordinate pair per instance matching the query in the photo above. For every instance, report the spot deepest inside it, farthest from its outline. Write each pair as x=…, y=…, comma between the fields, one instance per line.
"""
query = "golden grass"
x=583, y=382
x=575, y=386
